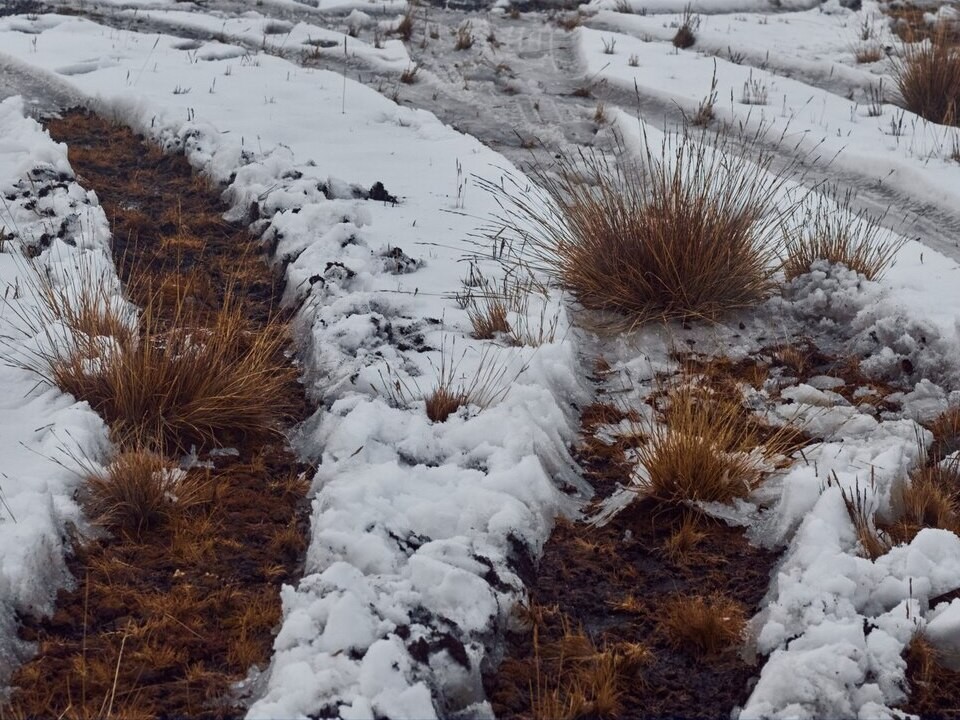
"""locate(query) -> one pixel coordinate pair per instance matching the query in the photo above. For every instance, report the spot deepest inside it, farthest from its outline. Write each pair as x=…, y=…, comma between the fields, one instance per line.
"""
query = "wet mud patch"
x=612, y=591
x=165, y=621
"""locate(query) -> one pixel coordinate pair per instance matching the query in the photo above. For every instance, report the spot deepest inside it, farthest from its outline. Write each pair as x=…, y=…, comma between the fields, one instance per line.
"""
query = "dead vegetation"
x=929, y=499
x=686, y=34
x=689, y=233
x=179, y=595
x=453, y=389
x=139, y=490
x=708, y=449
x=927, y=76
x=574, y=678
x=186, y=379
x=837, y=233
x=933, y=685
x=464, y=37
x=705, y=625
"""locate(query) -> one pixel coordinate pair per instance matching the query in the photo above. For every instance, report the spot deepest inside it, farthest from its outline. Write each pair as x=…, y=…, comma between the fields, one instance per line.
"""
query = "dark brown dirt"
x=162, y=623
x=616, y=583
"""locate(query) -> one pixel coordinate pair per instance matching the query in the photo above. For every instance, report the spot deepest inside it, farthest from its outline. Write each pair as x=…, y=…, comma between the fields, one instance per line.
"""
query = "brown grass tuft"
x=486, y=384
x=934, y=687
x=946, y=433
x=170, y=375
x=680, y=547
x=931, y=499
x=139, y=490
x=708, y=625
x=409, y=75
x=575, y=679
x=868, y=52
x=927, y=75
x=464, y=37
x=686, y=33
x=691, y=232
x=841, y=235
x=874, y=541
x=708, y=450
x=190, y=380
x=404, y=28
x=515, y=310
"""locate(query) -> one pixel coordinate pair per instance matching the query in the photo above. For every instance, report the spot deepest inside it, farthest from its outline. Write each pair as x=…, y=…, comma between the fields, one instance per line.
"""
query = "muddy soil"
x=163, y=623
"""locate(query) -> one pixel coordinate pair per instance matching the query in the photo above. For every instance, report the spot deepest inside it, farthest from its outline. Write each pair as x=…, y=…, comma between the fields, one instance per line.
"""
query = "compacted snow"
x=419, y=528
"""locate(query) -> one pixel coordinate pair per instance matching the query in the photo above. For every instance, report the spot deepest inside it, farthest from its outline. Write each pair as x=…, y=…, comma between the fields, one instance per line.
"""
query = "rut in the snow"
x=176, y=600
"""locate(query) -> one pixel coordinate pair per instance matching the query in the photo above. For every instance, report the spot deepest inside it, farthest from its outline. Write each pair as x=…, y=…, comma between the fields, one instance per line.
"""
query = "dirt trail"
x=161, y=623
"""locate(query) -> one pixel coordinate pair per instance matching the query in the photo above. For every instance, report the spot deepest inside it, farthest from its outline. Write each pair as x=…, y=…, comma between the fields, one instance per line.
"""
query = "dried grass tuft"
x=486, y=384
x=930, y=498
x=708, y=625
x=686, y=33
x=690, y=232
x=170, y=375
x=139, y=490
x=927, y=75
x=834, y=232
x=575, y=679
x=708, y=450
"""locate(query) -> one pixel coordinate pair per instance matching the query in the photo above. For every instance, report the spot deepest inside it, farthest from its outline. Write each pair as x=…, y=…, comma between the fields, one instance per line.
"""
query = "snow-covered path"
x=520, y=93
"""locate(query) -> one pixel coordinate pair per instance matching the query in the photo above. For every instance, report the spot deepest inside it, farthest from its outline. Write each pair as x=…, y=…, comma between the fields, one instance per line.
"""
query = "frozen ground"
x=418, y=527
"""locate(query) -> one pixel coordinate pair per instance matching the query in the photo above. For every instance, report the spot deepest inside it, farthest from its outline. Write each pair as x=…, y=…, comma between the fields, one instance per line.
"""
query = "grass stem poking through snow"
x=686, y=33
x=691, y=231
x=834, y=232
x=487, y=384
x=514, y=310
x=927, y=75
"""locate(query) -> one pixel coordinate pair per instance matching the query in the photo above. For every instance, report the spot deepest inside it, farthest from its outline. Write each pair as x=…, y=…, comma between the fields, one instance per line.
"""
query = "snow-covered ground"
x=879, y=140
x=46, y=438
x=418, y=526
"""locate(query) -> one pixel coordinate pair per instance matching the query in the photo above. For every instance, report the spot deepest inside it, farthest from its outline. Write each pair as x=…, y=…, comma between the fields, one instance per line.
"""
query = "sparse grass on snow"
x=834, y=232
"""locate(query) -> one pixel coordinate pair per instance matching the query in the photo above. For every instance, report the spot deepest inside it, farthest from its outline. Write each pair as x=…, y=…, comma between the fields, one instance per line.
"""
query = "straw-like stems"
x=927, y=76
x=835, y=232
x=171, y=374
x=692, y=230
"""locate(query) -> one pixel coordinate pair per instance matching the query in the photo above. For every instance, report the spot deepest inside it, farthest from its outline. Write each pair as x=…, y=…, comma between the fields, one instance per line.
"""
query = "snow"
x=46, y=437
x=895, y=148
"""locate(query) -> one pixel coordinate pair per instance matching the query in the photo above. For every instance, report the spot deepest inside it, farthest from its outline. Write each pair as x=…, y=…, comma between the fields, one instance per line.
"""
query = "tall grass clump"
x=927, y=76
x=191, y=381
x=170, y=374
x=835, y=232
x=690, y=231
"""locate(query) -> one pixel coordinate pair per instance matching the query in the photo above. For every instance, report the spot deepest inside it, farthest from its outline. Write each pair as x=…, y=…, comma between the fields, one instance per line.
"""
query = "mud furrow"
x=165, y=620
